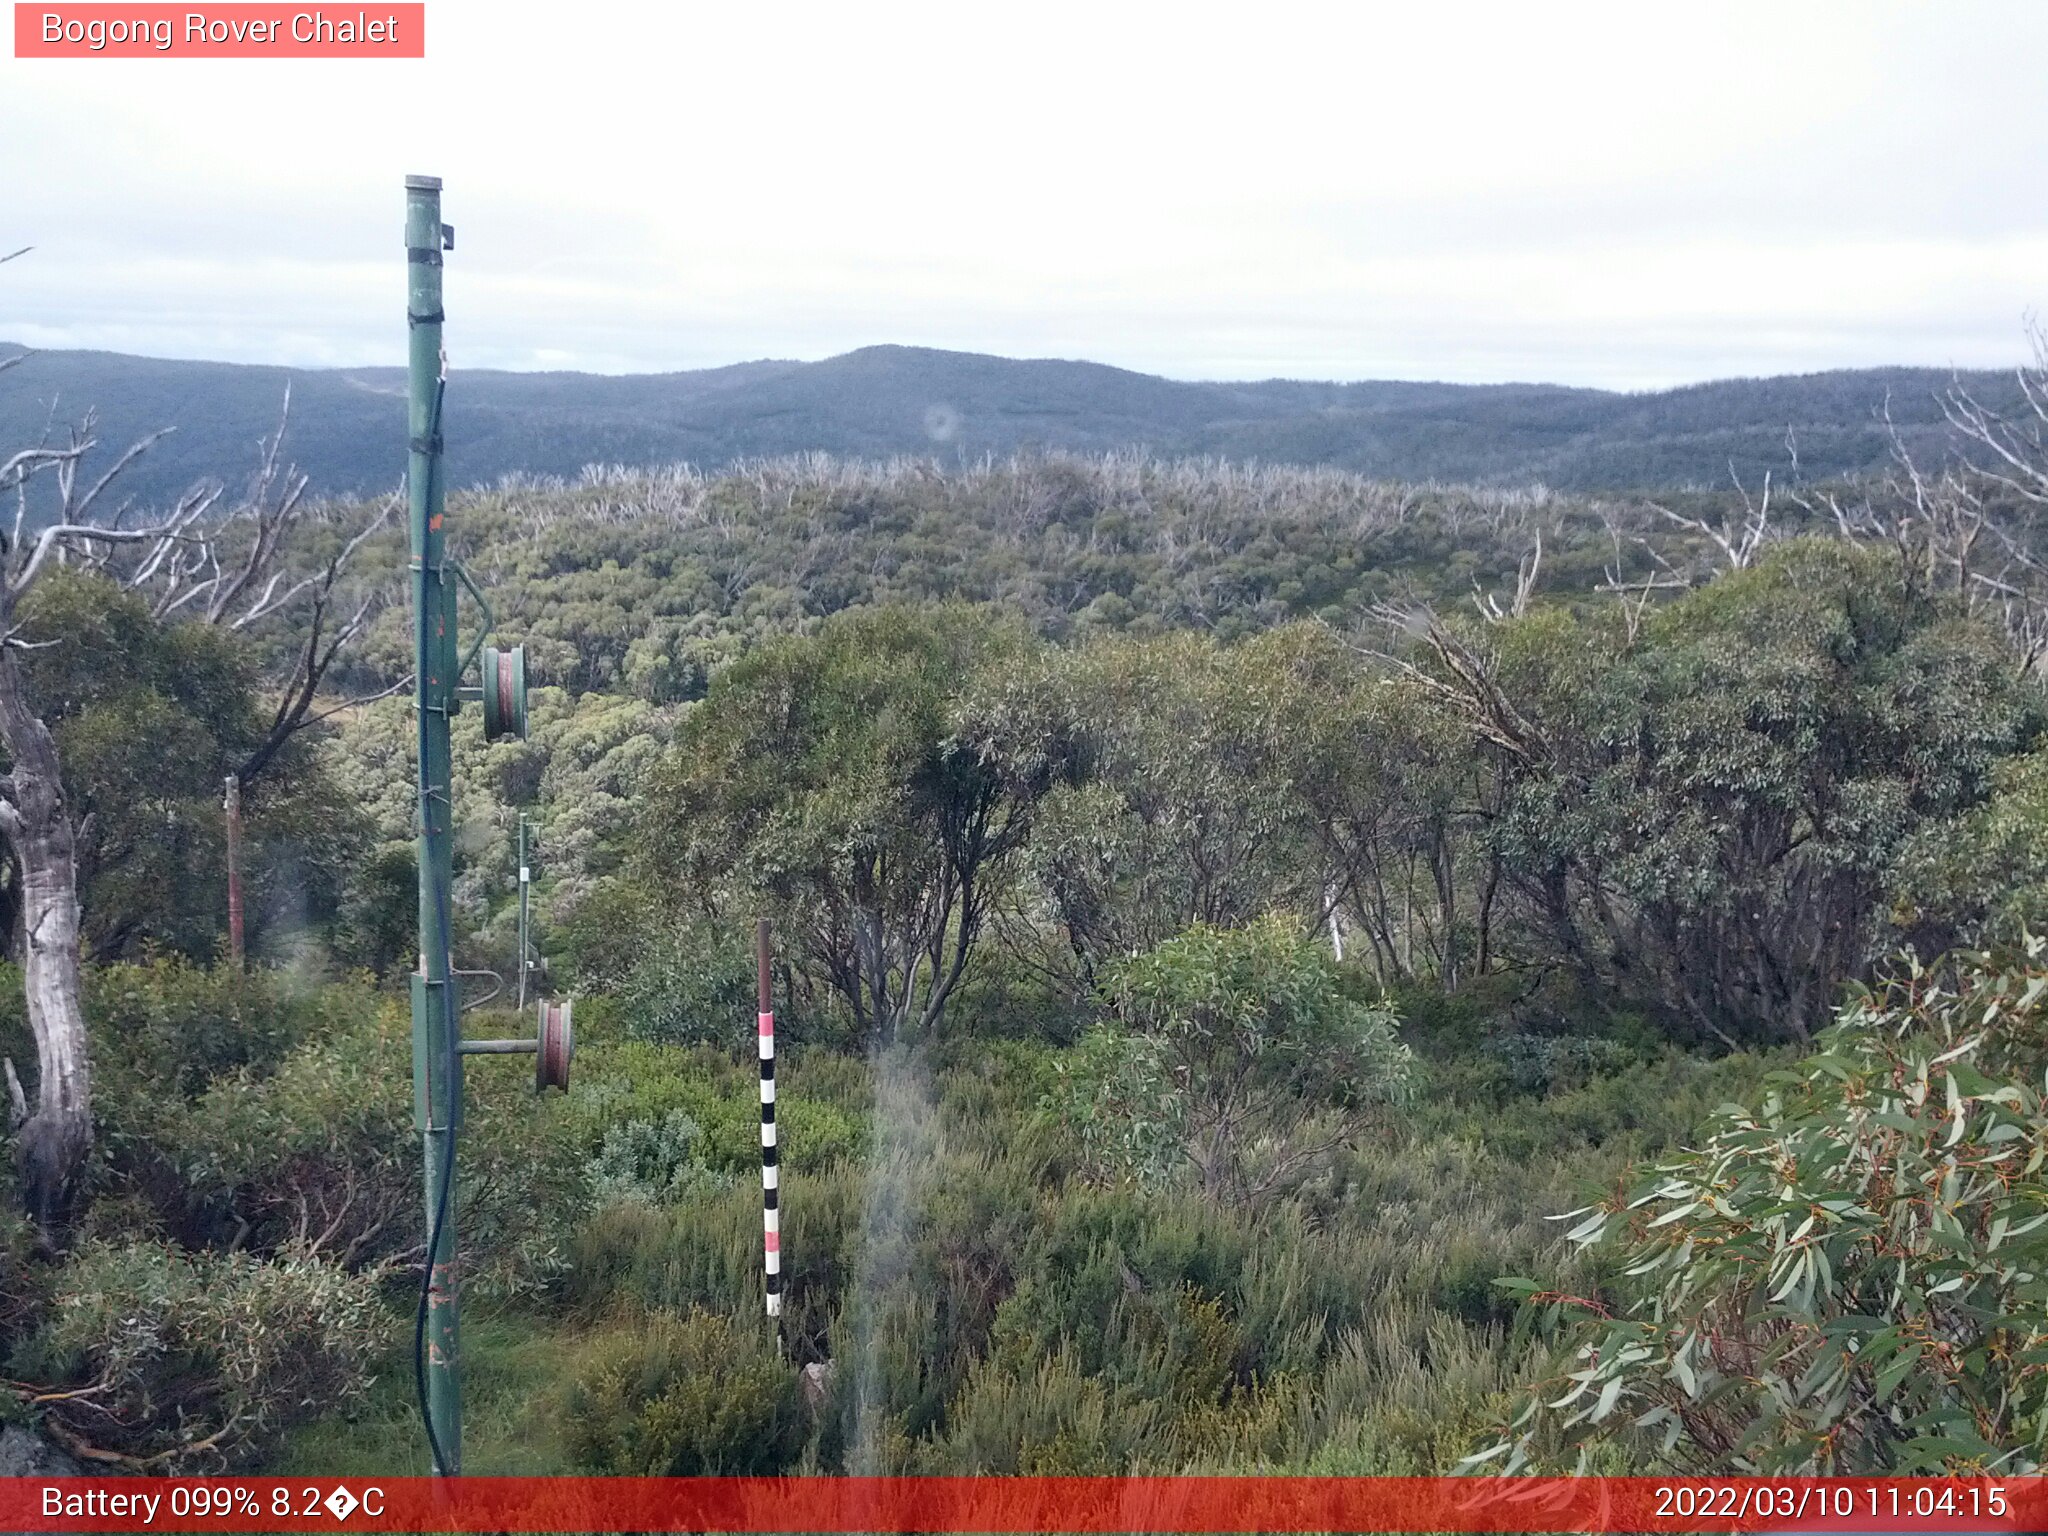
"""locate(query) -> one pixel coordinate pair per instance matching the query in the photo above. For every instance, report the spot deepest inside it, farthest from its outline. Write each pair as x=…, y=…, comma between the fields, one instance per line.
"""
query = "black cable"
x=419, y=1327
x=447, y=924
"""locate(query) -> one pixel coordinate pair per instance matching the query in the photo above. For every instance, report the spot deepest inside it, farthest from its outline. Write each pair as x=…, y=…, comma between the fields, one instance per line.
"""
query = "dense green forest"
x=881, y=402
x=1277, y=970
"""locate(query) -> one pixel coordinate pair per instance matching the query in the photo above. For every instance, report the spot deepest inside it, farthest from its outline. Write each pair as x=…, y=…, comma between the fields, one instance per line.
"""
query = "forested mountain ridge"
x=884, y=401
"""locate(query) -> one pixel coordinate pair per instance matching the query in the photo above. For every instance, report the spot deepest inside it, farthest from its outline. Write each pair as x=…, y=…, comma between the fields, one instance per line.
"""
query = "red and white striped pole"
x=771, y=1172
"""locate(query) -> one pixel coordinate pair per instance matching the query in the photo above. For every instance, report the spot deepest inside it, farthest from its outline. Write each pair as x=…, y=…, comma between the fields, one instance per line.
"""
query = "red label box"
x=226, y=31
x=1080, y=1506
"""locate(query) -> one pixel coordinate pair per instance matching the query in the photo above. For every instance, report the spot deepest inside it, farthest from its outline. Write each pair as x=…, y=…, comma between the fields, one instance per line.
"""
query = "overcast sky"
x=1627, y=196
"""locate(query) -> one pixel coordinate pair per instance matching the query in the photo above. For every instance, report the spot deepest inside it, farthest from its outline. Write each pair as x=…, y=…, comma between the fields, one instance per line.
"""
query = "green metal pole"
x=524, y=879
x=436, y=1065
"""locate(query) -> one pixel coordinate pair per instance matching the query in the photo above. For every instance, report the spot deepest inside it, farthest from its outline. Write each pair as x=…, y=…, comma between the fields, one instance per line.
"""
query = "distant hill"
x=348, y=428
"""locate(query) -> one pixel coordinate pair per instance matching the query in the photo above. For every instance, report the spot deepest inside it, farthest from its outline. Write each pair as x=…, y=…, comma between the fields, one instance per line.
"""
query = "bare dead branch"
x=1471, y=689
x=76, y=508
x=1738, y=543
x=1525, y=586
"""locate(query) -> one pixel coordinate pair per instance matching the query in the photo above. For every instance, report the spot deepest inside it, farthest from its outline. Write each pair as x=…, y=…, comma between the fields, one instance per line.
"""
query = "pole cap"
x=422, y=183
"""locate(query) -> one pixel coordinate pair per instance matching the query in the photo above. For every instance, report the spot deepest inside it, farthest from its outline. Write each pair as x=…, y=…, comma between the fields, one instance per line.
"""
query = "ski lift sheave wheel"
x=557, y=1045
x=504, y=693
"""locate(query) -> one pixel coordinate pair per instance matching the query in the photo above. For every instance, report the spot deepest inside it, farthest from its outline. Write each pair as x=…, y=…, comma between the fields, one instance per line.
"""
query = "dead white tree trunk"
x=52, y=1144
x=54, y=1139
x=179, y=560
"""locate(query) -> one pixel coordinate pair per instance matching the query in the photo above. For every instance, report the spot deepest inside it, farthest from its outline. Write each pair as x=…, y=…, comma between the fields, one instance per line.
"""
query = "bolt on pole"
x=436, y=1063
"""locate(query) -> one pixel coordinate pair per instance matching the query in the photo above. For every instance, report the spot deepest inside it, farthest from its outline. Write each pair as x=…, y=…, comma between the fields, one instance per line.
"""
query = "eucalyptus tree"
x=852, y=785
x=1390, y=801
x=1179, y=806
x=51, y=1143
x=235, y=568
x=1705, y=810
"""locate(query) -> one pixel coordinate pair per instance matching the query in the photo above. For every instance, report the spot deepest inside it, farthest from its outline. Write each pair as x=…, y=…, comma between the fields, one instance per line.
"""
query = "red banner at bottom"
x=998, y=1504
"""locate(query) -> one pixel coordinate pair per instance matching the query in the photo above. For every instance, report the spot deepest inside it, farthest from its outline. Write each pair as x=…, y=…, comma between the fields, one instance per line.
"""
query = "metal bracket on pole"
x=490, y=619
x=555, y=1045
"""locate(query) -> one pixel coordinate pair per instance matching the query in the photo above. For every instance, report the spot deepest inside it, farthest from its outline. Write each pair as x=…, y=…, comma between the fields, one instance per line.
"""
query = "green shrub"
x=1401, y=1395
x=1463, y=1284
x=1242, y=1056
x=652, y=1162
x=168, y=1026
x=691, y=987
x=317, y=1152
x=376, y=926
x=312, y=1151
x=1211, y=1330
x=1652, y=1103
x=706, y=1252
x=194, y=1361
x=638, y=1081
x=164, y=1035
x=689, y=1396
x=1045, y=1418
x=23, y=1282
x=1005, y=997
x=898, y=1371
x=1847, y=1275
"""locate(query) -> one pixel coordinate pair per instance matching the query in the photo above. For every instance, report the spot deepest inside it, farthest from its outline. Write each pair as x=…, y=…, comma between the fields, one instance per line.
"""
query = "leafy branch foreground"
x=1846, y=1276
x=193, y=1355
